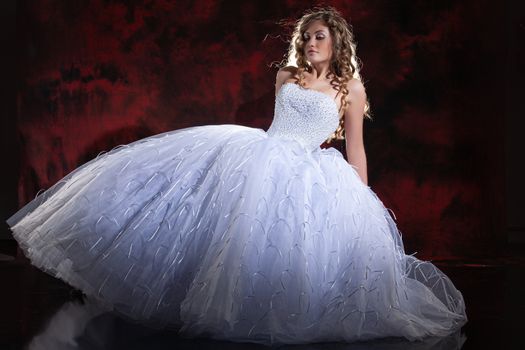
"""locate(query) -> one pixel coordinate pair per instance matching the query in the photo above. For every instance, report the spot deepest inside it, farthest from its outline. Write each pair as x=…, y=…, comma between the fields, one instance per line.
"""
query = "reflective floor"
x=40, y=312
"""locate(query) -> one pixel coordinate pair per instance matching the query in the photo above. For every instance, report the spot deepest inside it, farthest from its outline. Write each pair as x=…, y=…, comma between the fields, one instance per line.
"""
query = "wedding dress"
x=235, y=233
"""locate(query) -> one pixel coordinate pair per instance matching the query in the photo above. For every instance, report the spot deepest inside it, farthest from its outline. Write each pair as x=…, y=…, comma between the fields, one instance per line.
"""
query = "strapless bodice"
x=305, y=115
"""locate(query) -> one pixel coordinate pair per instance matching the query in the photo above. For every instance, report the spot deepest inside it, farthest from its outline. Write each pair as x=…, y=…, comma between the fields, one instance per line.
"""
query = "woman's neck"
x=320, y=71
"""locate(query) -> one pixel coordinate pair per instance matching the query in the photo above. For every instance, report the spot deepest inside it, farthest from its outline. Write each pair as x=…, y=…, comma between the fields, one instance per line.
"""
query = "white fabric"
x=234, y=233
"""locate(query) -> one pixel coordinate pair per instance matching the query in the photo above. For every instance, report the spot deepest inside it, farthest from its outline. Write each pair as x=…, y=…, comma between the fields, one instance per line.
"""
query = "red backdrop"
x=96, y=74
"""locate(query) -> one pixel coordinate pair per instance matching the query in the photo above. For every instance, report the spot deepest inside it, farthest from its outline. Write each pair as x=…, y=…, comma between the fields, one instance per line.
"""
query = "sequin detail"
x=305, y=115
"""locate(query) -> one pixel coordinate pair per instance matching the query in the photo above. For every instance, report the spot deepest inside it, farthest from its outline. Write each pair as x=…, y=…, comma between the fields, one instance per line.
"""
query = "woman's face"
x=317, y=43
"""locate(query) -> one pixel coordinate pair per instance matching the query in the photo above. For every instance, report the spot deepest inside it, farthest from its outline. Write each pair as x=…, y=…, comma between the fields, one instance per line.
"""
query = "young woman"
x=236, y=233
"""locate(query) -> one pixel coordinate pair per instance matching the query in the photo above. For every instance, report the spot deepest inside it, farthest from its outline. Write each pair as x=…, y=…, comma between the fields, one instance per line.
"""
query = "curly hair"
x=344, y=65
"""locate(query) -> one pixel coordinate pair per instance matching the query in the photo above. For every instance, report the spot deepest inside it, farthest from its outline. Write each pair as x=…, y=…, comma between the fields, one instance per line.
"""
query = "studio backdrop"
x=96, y=74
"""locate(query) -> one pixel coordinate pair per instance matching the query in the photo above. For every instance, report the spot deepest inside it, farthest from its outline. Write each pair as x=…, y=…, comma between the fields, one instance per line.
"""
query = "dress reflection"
x=87, y=326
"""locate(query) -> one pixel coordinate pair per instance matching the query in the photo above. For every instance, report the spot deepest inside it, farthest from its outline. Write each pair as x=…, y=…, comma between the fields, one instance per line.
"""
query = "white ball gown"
x=235, y=233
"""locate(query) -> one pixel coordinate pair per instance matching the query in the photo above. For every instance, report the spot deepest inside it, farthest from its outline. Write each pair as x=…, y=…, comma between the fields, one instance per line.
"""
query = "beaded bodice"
x=305, y=115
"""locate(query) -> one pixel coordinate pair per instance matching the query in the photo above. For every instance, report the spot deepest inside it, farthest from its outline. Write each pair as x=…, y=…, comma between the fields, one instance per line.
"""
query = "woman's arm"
x=353, y=117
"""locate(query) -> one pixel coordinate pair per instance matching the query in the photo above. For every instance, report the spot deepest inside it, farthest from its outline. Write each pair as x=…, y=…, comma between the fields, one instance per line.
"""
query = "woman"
x=235, y=233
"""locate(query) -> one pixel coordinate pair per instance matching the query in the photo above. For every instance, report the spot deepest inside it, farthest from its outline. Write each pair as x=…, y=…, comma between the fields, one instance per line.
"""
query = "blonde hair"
x=344, y=65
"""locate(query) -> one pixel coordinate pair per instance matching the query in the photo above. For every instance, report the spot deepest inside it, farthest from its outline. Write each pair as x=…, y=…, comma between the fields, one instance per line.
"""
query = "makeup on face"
x=317, y=42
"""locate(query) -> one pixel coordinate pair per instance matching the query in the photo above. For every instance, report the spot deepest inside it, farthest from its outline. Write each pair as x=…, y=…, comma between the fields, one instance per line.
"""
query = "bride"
x=235, y=233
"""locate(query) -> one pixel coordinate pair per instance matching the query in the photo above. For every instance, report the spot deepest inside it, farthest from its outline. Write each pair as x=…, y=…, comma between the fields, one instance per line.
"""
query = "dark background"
x=444, y=78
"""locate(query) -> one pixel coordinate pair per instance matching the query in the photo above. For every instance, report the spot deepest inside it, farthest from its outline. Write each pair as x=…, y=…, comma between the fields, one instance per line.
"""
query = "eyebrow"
x=318, y=31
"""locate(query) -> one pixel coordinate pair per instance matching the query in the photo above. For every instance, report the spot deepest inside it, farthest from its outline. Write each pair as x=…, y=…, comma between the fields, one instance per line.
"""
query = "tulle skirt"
x=225, y=232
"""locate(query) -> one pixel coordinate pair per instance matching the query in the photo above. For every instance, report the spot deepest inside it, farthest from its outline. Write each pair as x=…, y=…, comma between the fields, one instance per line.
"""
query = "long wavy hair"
x=344, y=65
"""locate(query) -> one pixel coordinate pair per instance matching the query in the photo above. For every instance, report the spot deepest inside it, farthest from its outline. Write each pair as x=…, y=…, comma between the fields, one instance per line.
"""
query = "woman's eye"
x=318, y=37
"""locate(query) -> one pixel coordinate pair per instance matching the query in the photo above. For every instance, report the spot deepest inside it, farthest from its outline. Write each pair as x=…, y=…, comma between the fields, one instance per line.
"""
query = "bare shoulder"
x=286, y=72
x=283, y=75
x=356, y=99
x=356, y=90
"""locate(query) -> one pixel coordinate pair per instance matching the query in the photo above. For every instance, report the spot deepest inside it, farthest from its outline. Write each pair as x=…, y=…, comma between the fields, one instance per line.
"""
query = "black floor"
x=40, y=312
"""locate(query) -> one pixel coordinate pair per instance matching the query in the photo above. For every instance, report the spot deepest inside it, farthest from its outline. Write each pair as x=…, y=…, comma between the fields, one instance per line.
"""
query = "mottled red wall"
x=96, y=74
